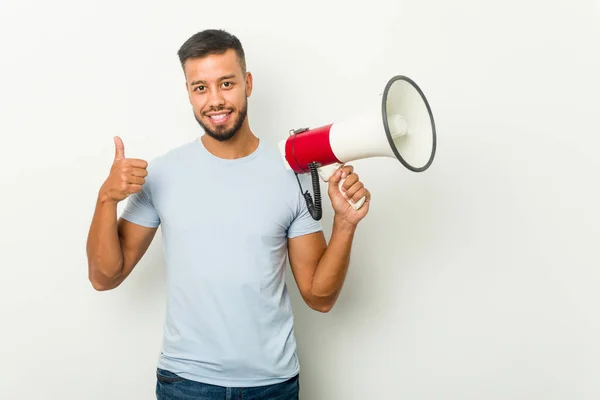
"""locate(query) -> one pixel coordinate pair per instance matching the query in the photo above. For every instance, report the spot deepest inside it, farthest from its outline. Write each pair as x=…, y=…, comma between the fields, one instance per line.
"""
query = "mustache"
x=216, y=109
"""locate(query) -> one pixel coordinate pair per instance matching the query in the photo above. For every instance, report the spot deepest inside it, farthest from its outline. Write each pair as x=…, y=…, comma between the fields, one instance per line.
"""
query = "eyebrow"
x=220, y=79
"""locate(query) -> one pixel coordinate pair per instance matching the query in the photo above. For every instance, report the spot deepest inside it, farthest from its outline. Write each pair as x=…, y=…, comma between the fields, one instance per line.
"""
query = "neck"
x=241, y=145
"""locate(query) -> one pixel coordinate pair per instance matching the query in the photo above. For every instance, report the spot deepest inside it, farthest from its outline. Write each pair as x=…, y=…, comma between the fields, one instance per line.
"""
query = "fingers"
x=353, y=191
x=130, y=188
x=119, y=148
x=137, y=163
x=133, y=175
x=120, y=155
x=131, y=179
x=350, y=181
x=139, y=172
x=133, y=188
x=360, y=194
x=127, y=175
x=346, y=171
x=341, y=174
x=133, y=163
x=352, y=187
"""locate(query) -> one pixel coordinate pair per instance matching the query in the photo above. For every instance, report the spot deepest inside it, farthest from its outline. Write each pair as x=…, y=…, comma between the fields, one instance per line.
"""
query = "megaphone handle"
x=326, y=172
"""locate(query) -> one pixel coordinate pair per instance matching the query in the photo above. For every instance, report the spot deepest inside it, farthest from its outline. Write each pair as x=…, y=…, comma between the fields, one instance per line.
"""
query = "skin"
x=217, y=84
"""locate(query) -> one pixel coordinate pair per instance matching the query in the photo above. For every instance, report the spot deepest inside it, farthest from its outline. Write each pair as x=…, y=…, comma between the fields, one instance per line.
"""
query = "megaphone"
x=397, y=124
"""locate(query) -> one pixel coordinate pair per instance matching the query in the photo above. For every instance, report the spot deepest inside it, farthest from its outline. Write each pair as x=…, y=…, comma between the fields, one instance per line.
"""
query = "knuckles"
x=350, y=181
x=348, y=169
x=351, y=192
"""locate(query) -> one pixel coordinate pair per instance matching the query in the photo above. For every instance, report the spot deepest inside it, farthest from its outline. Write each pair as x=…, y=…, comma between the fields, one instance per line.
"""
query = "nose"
x=216, y=99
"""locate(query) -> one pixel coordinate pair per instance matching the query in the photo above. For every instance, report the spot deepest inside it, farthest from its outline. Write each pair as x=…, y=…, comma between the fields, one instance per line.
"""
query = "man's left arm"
x=320, y=268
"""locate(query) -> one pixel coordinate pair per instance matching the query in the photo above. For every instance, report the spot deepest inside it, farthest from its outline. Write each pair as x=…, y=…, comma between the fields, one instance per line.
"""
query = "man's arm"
x=320, y=268
x=114, y=246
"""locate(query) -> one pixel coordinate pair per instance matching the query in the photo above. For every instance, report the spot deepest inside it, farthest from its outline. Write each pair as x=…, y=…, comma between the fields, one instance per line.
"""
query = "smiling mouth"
x=220, y=117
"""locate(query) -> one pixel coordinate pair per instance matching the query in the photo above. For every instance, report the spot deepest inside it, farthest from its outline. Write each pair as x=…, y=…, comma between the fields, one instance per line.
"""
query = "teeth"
x=219, y=117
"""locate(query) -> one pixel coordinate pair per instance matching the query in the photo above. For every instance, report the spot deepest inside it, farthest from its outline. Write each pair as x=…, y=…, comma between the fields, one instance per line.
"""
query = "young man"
x=230, y=214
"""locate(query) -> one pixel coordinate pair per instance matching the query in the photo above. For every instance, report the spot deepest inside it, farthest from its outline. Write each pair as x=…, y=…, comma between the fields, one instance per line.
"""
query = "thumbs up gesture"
x=127, y=175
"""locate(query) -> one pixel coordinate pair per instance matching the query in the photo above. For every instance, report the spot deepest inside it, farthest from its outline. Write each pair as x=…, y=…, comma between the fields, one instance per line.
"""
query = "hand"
x=353, y=189
x=127, y=175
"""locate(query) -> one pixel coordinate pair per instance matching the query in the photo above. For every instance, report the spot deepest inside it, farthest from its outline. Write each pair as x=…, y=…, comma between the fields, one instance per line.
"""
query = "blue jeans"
x=170, y=386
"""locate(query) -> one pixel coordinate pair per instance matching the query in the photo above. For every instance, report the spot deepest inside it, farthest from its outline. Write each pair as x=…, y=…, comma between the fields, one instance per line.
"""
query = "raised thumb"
x=119, y=148
x=335, y=178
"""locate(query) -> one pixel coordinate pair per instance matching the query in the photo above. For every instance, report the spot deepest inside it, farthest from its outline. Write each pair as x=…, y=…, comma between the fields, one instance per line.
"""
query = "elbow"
x=322, y=305
x=323, y=308
x=100, y=286
x=321, y=302
x=101, y=282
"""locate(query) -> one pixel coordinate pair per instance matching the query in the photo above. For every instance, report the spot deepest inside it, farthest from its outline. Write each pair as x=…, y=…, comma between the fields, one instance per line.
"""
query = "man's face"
x=218, y=92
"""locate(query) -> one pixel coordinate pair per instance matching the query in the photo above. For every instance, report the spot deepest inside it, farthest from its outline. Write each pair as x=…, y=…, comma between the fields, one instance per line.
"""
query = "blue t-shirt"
x=225, y=225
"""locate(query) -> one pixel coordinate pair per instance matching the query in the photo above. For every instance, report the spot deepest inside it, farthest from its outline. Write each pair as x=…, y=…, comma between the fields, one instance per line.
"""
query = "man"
x=230, y=214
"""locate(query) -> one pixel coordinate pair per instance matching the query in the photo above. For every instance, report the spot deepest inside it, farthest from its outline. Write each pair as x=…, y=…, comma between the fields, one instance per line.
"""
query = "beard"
x=221, y=133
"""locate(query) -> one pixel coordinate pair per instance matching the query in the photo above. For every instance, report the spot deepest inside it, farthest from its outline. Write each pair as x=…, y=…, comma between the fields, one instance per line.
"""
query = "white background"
x=477, y=279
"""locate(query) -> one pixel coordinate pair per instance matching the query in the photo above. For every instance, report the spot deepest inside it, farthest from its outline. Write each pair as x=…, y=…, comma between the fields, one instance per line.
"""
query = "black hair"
x=211, y=41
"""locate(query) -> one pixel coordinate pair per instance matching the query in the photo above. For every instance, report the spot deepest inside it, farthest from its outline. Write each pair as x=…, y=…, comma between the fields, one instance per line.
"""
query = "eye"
x=199, y=88
x=227, y=84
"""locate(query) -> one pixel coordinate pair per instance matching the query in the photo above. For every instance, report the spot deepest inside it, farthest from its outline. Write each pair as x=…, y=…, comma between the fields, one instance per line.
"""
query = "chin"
x=221, y=137
x=222, y=133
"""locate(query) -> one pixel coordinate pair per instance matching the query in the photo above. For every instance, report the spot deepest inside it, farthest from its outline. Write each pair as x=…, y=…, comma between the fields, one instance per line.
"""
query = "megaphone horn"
x=398, y=124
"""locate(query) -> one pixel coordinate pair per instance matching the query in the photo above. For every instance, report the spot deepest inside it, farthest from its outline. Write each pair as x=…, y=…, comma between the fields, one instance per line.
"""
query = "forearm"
x=331, y=270
x=105, y=256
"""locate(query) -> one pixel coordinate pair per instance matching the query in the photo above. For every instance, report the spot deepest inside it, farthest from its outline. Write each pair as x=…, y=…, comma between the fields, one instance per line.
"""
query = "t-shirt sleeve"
x=140, y=209
x=303, y=223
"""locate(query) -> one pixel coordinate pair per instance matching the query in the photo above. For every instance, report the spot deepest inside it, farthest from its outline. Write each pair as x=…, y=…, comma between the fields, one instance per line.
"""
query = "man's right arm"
x=114, y=245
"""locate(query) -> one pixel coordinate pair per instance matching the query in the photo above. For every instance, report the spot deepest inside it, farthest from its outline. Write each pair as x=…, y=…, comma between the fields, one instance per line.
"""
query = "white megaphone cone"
x=397, y=124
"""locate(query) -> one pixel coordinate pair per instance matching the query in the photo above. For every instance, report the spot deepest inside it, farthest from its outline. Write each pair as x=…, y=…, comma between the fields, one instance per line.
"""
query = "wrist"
x=104, y=198
x=343, y=224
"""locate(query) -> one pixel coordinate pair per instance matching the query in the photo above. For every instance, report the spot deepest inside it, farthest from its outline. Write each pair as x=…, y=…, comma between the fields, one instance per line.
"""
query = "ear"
x=248, y=84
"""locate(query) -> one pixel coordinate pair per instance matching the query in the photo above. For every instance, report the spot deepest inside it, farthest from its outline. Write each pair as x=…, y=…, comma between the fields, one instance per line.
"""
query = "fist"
x=352, y=189
x=127, y=175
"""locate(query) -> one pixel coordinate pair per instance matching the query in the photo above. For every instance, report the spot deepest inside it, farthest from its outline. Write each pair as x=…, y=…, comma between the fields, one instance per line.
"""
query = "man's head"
x=217, y=83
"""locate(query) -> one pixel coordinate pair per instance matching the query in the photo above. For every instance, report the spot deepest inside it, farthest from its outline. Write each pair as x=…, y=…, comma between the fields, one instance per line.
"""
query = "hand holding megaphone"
x=339, y=174
x=349, y=196
x=127, y=175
